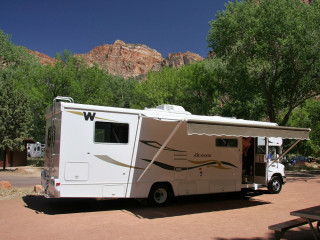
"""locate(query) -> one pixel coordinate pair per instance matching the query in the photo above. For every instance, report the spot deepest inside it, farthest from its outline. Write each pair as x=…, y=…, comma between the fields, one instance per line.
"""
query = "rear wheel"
x=159, y=195
x=275, y=185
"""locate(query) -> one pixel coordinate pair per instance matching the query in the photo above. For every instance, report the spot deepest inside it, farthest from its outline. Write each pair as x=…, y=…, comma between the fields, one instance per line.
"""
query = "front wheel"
x=159, y=195
x=275, y=185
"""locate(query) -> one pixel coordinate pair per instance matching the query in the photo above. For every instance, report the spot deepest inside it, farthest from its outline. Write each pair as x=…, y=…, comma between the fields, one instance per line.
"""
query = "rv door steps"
x=281, y=228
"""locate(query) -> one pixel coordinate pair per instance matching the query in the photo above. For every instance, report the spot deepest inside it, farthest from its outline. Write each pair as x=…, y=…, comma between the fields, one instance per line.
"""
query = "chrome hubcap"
x=276, y=185
x=160, y=195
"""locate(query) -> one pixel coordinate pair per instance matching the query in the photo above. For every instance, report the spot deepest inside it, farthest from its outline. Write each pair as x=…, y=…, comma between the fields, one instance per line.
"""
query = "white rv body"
x=105, y=152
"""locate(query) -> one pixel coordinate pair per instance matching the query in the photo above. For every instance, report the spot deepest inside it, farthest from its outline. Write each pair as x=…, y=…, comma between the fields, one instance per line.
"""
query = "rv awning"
x=245, y=130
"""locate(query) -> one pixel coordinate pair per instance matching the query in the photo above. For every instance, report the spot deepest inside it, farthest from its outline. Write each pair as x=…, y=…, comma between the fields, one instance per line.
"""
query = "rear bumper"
x=49, y=186
x=53, y=192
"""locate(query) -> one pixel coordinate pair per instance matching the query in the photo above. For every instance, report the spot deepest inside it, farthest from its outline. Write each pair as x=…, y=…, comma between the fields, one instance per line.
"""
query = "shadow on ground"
x=298, y=233
x=180, y=206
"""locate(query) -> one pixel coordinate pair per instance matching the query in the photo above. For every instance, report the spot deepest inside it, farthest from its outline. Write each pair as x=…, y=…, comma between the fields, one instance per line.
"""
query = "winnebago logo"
x=202, y=155
x=89, y=115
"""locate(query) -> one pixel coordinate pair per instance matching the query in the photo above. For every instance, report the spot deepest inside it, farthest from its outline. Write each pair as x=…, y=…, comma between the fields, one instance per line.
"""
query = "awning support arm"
x=160, y=150
x=286, y=151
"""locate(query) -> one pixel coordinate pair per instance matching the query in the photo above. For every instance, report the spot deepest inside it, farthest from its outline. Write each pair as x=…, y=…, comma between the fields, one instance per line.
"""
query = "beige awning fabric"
x=245, y=130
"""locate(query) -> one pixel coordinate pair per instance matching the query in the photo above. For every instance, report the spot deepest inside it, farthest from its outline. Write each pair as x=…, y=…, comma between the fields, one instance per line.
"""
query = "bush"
x=36, y=162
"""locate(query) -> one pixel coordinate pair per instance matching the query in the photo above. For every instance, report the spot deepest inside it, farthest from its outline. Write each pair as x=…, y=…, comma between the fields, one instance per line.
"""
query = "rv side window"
x=107, y=132
x=226, y=142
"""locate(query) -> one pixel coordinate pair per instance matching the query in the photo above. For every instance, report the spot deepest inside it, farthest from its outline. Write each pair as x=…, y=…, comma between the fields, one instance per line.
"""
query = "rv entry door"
x=261, y=161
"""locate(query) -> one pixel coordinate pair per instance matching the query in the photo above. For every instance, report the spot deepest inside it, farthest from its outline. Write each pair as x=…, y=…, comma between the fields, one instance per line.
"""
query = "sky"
x=50, y=26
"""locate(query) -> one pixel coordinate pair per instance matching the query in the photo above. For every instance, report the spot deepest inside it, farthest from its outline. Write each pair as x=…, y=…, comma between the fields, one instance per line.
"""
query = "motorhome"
x=157, y=153
x=35, y=150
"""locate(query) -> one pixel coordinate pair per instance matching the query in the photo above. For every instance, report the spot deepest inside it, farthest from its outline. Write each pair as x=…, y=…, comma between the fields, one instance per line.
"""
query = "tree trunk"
x=4, y=159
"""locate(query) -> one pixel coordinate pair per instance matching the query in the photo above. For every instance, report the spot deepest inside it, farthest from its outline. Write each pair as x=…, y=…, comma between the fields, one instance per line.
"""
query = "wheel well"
x=277, y=175
x=167, y=184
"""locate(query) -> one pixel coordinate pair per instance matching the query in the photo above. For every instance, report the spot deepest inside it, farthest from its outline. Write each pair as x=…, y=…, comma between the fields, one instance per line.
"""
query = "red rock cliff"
x=180, y=59
x=43, y=58
x=128, y=60
x=132, y=60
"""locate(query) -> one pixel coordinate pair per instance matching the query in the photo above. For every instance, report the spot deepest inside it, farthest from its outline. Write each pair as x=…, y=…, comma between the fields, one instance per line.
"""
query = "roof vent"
x=173, y=109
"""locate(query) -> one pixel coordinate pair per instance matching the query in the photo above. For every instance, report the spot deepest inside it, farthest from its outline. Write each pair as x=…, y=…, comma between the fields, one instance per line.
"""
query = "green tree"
x=15, y=118
x=20, y=68
x=307, y=115
x=159, y=88
x=194, y=87
x=12, y=56
x=271, y=53
x=121, y=91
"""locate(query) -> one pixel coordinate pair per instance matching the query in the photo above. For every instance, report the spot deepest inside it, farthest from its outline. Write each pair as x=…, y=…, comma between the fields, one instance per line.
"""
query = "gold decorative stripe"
x=81, y=114
x=108, y=159
x=218, y=166
x=75, y=112
x=104, y=119
x=201, y=162
x=214, y=163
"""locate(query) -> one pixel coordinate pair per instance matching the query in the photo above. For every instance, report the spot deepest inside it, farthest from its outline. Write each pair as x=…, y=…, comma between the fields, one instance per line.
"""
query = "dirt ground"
x=21, y=171
x=219, y=216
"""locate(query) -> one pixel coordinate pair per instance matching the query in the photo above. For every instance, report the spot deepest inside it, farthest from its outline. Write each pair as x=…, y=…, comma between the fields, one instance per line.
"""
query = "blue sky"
x=50, y=26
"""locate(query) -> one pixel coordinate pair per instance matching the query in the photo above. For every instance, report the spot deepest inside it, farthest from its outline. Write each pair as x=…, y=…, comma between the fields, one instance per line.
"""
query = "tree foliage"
x=193, y=87
x=272, y=54
x=16, y=65
x=12, y=56
x=307, y=116
x=15, y=117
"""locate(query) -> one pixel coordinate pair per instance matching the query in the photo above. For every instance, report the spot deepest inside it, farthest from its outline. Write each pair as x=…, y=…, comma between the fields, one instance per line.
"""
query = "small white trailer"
x=159, y=153
x=35, y=150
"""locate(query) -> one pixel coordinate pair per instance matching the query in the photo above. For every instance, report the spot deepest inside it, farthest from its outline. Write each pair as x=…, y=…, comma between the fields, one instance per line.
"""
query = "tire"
x=160, y=195
x=275, y=185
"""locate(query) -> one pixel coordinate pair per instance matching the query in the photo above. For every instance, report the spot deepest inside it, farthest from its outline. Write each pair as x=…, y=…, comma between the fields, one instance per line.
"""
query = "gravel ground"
x=219, y=216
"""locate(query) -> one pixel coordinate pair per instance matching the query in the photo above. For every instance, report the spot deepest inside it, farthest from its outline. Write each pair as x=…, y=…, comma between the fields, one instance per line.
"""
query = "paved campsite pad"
x=219, y=216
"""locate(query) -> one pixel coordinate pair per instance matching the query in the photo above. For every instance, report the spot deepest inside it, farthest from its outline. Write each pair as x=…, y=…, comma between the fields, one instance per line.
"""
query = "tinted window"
x=226, y=142
x=107, y=132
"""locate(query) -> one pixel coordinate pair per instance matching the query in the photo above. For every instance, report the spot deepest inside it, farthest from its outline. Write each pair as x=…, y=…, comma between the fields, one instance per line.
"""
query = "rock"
x=125, y=60
x=43, y=58
x=38, y=188
x=5, y=185
x=180, y=59
x=128, y=60
x=132, y=60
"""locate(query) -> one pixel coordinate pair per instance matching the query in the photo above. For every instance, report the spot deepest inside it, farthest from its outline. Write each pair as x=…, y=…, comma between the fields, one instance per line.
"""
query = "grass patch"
x=6, y=194
x=35, y=162
x=303, y=167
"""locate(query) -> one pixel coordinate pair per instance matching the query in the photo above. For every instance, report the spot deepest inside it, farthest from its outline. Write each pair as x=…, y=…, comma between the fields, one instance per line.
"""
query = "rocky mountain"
x=180, y=59
x=129, y=60
x=132, y=60
x=43, y=58
x=126, y=60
